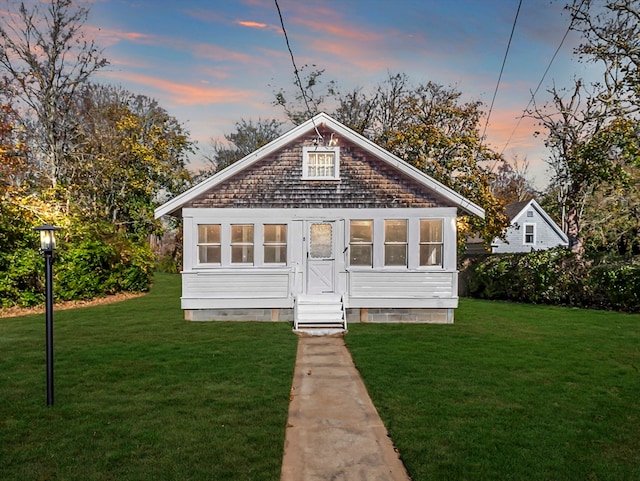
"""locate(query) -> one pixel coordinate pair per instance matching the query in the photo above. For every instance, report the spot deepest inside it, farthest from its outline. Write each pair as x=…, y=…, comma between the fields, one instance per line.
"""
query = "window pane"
x=209, y=254
x=361, y=255
x=430, y=255
x=431, y=230
x=241, y=233
x=242, y=254
x=395, y=230
x=321, y=164
x=275, y=254
x=209, y=233
x=361, y=230
x=275, y=233
x=395, y=255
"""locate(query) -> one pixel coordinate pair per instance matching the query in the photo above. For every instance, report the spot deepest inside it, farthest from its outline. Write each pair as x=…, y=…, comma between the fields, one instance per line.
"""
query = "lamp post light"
x=47, y=246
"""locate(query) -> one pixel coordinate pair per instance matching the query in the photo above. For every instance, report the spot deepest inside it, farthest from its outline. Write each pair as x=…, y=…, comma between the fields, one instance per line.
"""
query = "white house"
x=319, y=227
x=530, y=229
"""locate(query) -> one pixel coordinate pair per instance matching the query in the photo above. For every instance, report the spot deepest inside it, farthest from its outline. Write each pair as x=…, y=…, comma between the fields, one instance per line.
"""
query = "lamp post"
x=47, y=246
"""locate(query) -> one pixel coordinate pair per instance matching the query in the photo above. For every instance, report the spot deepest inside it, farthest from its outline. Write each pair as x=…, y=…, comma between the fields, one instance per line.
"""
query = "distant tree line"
x=96, y=159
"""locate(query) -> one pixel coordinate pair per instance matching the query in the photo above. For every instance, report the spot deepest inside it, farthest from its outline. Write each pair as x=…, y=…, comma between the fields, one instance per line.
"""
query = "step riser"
x=319, y=312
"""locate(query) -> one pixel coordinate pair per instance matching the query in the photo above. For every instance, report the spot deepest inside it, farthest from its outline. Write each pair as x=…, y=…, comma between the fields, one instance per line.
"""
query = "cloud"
x=186, y=94
x=251, y=24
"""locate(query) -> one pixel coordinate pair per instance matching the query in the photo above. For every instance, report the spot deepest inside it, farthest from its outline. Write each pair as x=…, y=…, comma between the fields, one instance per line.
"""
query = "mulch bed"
x=24, y=311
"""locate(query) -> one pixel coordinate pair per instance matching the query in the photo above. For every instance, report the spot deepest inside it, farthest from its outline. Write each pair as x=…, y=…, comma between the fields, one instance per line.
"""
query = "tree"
x=611, y=36
x=247, y=138
x=430, y=127
x=132, y=151
x=592, y=129
x=48, y=58
x=13, y=148
x=510, y=182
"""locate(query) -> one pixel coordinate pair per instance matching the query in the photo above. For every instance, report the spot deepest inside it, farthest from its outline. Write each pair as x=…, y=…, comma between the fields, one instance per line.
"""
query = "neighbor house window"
x=242, y=244
x=209, y=243
x=361, y=243
x=529, y=234
x=275, y=244
x=431, y=242
x=320, y=162
x=395, y=242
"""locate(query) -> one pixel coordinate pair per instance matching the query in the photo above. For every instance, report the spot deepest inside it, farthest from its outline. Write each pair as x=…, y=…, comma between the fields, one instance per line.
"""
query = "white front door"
x=321, y=262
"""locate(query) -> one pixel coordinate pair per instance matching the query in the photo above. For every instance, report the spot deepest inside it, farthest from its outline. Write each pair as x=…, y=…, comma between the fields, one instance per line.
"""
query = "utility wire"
x=533, y=95
x=296, y=71
x=504, y=61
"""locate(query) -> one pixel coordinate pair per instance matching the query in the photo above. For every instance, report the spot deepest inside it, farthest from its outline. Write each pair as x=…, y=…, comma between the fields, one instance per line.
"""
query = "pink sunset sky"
x=213, y=63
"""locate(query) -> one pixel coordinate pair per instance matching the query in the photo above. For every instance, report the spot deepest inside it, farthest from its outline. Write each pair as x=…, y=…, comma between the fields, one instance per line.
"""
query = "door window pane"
x=321, y=241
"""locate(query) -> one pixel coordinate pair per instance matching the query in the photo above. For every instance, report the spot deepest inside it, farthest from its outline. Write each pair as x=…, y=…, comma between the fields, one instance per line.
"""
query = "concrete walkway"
x=333, y=430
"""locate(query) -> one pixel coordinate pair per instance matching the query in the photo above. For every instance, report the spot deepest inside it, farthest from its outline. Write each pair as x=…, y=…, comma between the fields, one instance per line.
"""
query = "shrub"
x=556, y=277
x=91, y=261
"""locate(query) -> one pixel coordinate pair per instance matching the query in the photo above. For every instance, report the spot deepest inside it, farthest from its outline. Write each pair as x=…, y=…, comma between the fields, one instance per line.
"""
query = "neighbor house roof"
x=174, y=205
x=516, y=210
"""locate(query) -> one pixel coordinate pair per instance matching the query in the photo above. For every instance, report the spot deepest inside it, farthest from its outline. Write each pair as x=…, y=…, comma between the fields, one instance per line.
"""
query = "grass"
x=509, y=392
x=142, y=395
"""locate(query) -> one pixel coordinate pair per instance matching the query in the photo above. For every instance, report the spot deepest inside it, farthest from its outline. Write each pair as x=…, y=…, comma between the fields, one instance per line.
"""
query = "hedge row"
x=87, y=267
x=556, y=277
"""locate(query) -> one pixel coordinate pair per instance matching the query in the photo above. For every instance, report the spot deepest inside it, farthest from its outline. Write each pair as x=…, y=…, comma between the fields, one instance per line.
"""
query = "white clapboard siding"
x=402, y=285
x=249, y=284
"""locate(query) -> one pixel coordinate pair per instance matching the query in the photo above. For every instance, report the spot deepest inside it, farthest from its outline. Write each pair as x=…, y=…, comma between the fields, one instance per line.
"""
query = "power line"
x=296, y=71
x=504, y=61
x=533, y=95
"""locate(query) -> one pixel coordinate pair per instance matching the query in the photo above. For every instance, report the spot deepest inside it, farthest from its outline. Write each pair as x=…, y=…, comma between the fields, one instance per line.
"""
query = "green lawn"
x=141, y=394
x=509, y=392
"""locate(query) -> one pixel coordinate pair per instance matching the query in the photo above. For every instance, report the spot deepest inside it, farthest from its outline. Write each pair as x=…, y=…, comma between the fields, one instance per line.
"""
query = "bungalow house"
x=320, y=227
x=530, y=229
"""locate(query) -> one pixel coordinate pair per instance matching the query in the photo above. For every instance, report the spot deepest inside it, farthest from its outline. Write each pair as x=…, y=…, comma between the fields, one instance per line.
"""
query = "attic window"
x=529, y=213
x=322, y=163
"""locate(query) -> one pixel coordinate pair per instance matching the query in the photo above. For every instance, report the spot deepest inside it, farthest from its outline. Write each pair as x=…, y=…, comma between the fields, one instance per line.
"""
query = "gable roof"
x=174, y=205
x=517, y=209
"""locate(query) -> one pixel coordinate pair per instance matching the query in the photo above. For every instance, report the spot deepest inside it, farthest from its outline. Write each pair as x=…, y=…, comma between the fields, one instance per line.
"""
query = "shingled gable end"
x=320, y=227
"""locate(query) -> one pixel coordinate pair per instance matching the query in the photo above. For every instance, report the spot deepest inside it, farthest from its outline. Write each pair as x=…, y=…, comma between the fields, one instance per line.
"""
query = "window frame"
x=439, y=243
x=243, y=245
x=306, y=151
x=200, y=244
x=533, y=234
x=276, y=244
x=370, y=244
x=386, y=244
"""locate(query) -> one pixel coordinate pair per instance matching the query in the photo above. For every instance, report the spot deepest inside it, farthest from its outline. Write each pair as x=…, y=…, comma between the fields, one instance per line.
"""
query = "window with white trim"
x=209, y=247
x=395, y=242
x=242, y=243
x=275, y=243
x=361, y=243
x=529, y=233
x=320, y=163
x=431, y=243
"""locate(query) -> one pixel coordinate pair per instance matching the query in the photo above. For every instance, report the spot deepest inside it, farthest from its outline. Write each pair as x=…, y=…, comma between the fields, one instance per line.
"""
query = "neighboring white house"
x=530, y=229
x=318, y=227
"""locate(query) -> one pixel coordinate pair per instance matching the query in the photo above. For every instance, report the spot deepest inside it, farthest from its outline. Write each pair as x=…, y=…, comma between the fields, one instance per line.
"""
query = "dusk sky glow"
x=212, y=63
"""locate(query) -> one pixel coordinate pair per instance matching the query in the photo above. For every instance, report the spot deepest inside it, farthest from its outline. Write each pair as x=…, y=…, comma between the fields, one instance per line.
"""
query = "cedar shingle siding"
x=276, y=182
